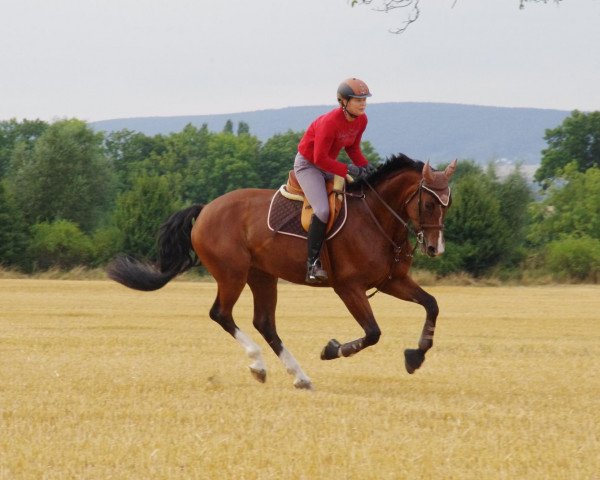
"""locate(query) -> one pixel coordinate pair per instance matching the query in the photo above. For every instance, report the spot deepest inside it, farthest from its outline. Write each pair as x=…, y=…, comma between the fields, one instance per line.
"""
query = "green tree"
x=576, y=140
x=228, y=128
x=59, y=244
x=474, y=226
x=126, y=150
x=572, y=208
x=276, y=159
x=243, y=128
x=574, y=257
x=13, y=133
x=64, y=177
x=140, y=212
x=13, y=235
x=231, y=163
x=514, y=195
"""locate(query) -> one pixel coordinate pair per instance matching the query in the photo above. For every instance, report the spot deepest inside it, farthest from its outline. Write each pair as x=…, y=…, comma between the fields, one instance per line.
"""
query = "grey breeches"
x=312, y=180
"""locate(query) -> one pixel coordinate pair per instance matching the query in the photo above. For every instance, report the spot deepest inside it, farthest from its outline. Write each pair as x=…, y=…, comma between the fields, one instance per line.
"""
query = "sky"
x=105, y=59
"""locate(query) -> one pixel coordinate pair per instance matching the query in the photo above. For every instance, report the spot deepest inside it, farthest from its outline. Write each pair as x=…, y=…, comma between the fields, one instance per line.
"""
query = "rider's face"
x=356, y=106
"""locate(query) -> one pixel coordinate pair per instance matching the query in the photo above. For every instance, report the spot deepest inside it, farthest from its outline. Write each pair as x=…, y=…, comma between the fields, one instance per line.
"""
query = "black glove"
x=370, y=168
x=357, y=172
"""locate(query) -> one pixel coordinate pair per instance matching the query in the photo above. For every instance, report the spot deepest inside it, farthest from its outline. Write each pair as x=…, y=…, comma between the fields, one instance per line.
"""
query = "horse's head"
x=427, y=207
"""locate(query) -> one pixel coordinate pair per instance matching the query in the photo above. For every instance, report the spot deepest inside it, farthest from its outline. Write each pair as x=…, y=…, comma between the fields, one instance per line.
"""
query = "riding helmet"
x=352, y=87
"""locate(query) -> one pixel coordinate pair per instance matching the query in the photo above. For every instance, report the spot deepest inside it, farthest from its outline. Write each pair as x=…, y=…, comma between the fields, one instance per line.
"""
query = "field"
x=101, y=382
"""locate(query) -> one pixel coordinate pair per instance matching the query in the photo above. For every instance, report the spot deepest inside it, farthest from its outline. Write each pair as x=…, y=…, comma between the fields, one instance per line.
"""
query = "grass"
x=101, y=382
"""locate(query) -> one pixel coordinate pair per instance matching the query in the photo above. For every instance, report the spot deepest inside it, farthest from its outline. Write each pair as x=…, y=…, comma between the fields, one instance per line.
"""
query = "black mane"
x=391, y=164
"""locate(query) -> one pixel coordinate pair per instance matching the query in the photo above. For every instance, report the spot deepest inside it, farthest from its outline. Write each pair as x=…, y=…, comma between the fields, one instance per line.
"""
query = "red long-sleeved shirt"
x=327, y=135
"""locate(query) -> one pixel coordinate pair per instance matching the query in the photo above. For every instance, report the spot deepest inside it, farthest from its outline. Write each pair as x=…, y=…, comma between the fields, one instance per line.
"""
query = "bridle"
x=419, y=235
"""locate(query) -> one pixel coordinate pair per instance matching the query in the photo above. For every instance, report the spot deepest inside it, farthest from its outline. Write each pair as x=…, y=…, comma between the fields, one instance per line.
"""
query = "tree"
x=413, y=9
x=13, y=133
x=574, y=257
x=13, y=235
x=64, y=177
x=126, y=150
x=231, y=163
x=140, y=212
x=59, y=244
x=276, y=159
x=474, y=226
x=514, y=195
x=572, y=208
x=243, y=128
x=576, y=140
x=228, y=128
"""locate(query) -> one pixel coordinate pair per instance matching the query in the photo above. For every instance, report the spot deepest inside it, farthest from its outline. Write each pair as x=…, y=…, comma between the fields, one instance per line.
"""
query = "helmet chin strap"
x=345, y=109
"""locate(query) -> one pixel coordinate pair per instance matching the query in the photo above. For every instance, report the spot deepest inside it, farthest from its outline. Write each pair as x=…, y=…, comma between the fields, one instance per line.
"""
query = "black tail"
x=175, y=255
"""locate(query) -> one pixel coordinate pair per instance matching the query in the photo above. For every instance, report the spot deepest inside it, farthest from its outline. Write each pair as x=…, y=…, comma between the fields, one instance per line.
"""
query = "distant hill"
x=435, y=131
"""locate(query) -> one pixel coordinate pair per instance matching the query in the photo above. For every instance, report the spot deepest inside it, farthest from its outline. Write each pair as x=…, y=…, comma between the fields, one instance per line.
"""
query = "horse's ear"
x=450, y=169
x=427, y=173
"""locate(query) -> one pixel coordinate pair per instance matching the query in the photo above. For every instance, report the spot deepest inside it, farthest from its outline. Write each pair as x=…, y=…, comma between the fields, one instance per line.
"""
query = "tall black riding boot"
x=316, y=235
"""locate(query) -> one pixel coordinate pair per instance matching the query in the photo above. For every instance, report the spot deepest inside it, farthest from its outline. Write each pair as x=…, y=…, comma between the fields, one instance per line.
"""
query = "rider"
x=316, y=161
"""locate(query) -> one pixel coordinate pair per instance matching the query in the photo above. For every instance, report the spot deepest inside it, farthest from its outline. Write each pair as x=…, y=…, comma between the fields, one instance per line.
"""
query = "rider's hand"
x=356, y=172
x=370, y=168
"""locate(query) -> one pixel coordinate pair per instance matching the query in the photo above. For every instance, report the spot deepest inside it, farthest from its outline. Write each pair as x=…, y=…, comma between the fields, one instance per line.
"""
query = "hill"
x=435, y=131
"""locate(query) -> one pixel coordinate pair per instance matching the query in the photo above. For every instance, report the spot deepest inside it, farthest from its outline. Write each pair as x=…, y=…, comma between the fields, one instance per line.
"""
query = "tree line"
x=71, y=196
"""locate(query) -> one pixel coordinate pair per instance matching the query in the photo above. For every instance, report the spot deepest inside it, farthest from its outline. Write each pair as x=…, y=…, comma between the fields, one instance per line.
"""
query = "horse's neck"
x=394, y=192
x=397, y=189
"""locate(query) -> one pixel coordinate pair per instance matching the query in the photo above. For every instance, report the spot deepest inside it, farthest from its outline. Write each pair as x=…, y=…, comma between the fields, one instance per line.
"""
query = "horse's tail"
x=175, y=255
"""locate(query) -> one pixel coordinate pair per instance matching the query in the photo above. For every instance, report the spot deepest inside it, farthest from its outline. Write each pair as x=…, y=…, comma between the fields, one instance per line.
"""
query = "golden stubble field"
x=101, y=382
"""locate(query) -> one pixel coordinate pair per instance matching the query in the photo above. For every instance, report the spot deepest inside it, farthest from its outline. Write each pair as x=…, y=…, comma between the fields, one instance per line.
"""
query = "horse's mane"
x=392, y=164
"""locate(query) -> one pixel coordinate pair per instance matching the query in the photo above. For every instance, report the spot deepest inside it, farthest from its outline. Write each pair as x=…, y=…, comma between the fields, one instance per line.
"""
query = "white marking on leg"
x=252, y=350
x=293, y=367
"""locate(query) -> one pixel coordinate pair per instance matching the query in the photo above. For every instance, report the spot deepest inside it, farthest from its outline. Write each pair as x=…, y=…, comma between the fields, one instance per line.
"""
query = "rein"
x=409, y=228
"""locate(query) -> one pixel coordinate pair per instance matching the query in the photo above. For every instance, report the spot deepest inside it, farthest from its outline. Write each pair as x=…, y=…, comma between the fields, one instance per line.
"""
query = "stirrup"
x=315, y=273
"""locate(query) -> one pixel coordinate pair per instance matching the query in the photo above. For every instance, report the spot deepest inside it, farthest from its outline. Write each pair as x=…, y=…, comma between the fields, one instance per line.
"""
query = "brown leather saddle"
x=291, y=213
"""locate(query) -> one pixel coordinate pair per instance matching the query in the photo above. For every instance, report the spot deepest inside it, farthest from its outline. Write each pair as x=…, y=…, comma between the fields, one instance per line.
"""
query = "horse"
x=401, y=199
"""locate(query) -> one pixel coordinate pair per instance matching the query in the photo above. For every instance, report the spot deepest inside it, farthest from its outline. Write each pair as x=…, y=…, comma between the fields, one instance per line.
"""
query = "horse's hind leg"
x=221, y=313
x=264, y=290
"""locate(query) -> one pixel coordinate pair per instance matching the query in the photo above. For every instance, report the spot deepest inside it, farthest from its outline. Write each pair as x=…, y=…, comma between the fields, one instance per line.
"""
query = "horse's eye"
x=429, y=206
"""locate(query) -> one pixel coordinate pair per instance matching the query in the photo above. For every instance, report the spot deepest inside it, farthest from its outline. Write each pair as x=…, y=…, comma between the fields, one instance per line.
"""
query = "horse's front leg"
x=357, y=303
x=406, y=289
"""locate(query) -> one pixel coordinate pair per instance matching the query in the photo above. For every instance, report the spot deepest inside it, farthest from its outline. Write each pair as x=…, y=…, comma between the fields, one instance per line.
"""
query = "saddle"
x=335, y=188
x=290, y=213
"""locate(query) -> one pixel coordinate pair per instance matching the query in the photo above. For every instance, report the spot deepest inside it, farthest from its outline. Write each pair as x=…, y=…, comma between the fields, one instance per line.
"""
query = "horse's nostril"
x=431, y=251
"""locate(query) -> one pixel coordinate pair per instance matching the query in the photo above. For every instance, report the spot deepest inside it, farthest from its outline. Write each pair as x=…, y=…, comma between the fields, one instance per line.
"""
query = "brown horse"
x=401, y=199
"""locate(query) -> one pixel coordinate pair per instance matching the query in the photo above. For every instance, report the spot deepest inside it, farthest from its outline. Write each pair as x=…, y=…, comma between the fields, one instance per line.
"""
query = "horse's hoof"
x=303, y=384
x=259, y=373
x=413, y=359
x=331, y=350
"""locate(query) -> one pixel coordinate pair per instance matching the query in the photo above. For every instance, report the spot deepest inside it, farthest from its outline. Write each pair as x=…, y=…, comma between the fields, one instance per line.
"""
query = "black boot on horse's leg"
x=316, y=235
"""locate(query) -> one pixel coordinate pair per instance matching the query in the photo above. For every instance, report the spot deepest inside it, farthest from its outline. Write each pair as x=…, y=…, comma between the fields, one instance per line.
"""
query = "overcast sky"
x=103, y=59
